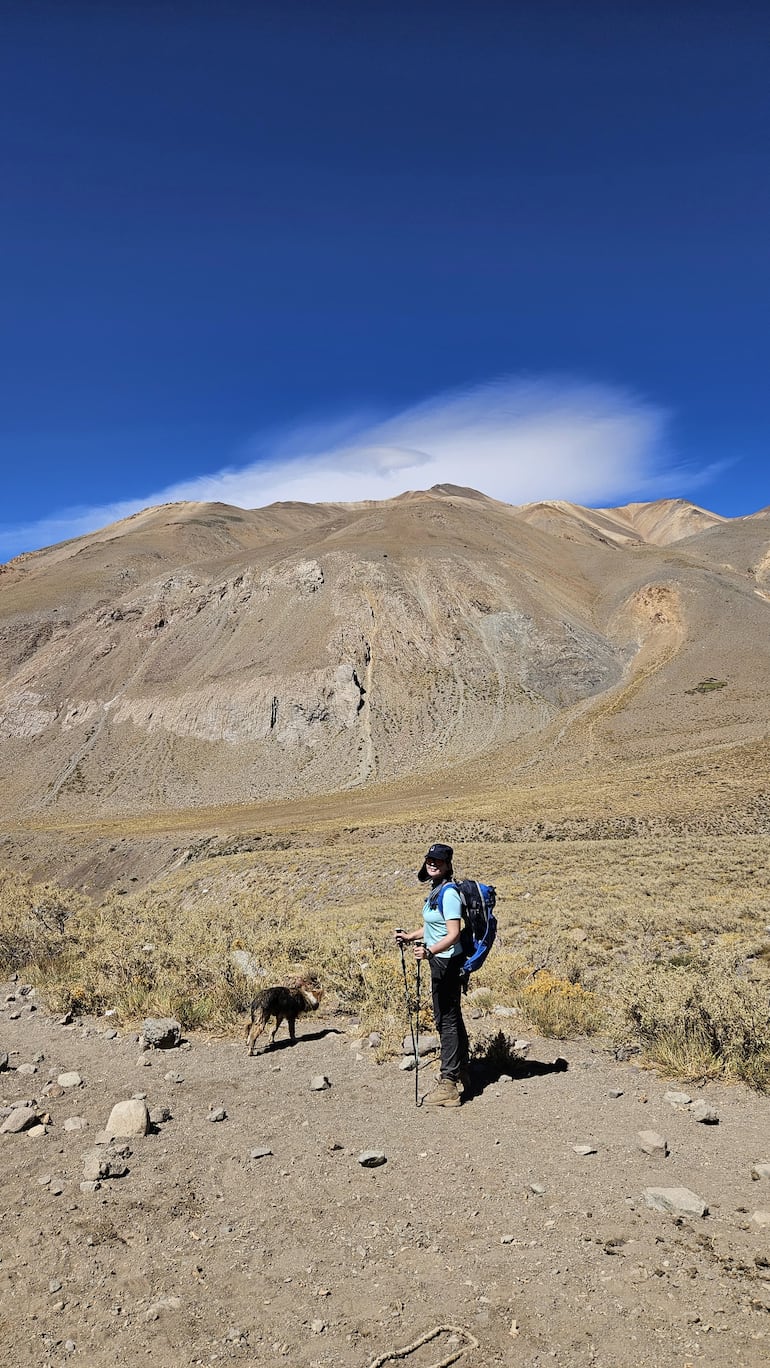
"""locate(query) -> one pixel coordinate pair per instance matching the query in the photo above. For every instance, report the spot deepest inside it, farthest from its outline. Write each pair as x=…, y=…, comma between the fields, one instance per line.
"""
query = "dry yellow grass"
x=662, y=940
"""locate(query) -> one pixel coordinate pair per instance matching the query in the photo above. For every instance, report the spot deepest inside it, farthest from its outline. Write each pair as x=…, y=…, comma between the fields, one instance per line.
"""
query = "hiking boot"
x=445, y=1095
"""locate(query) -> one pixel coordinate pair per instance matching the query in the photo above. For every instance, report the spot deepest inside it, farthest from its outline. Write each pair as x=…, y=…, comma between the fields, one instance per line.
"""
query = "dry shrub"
x=699, y=1020
x=34, y=922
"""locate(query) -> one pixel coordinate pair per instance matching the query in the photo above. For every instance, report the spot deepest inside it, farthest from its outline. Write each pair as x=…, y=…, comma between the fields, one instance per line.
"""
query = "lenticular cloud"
x=516, y=440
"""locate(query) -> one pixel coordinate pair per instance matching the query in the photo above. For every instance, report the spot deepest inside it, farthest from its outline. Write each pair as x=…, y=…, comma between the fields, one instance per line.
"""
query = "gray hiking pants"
x=446, y=987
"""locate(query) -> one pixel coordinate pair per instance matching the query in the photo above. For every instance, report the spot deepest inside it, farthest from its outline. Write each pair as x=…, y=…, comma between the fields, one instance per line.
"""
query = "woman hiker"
x=438, y=942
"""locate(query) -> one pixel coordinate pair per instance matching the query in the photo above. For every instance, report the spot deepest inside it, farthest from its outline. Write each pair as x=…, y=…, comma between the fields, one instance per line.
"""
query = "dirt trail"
x=204, y=1254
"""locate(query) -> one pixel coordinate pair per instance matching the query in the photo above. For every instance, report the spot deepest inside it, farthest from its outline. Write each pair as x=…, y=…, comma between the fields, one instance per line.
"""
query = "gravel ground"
x=204, y=1253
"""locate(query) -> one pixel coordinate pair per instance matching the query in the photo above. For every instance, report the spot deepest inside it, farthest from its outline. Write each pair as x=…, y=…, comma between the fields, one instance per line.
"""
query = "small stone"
x=128, y=1118
x=217, y=1114
x=760, y=1171
x=69, y=1080
x=319, y=1083
x=375, y=1040
x=521, y=1046
x=174, y=1077
x=160, y=1115
x=317, y=1327
x=425, y=1045
x=538, y=1189
x=372, y=1158
x=26, y=1069
x=70, y=1346
x=20, y=1119
x=90, y=1186
x=584, y=1149
x=111, y=1034
x=260, y=1152
x=507, y=1239
x=652, y=1143
x=761, y=1219
x=235, y=1335
x=615, y=1093
x=677, y=1099
x=3, y=1061
x=143, y=1062
x=55, y=1187
x=54, y=1285
x=408, y=1062
x=44, y=1179
x=53, y=1090
x=679, y=1201
x=703, y=1112
x=163, y=1033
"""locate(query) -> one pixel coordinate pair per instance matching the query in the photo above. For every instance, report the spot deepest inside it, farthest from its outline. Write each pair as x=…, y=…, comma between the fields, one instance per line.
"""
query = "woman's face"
x=436, y=868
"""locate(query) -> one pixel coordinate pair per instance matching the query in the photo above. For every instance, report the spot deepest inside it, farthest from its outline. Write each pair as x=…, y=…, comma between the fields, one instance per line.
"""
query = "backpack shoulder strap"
x=439, y=895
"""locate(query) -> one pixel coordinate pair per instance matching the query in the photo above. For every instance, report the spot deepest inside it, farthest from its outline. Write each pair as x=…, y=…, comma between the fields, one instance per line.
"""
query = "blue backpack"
x=479, y=921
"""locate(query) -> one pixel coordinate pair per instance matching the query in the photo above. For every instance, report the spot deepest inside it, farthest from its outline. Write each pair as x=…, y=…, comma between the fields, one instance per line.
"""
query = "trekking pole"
x=408, y=1001
x=417, y=1041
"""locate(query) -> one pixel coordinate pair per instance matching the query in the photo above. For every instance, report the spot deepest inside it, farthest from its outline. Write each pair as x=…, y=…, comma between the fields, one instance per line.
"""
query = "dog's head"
x=311, y=991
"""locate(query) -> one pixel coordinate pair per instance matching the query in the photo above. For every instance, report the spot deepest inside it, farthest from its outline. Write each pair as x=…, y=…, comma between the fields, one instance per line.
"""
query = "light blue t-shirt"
x=435, y=921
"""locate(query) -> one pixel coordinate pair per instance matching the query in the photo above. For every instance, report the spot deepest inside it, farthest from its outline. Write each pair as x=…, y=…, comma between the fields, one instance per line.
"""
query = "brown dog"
x=285, y=1004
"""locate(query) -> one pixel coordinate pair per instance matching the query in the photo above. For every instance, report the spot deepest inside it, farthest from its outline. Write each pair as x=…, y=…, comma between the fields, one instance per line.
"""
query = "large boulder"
x=163, y=1033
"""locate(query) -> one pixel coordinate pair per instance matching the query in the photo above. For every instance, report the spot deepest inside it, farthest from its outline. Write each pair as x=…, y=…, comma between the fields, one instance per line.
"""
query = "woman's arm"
x=451, y=938
x=404, y=937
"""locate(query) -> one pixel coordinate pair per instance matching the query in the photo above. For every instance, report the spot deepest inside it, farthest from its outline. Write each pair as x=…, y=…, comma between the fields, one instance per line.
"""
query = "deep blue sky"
x=220, y=219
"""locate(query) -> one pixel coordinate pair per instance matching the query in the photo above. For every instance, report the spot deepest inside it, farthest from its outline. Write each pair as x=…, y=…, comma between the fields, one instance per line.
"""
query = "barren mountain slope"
x=197, y=654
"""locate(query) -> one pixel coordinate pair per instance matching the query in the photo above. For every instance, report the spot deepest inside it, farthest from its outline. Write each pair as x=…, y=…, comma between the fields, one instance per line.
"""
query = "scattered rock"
x=54, y=1285
x=616, y=1093
x=652, y=1143
x=90, y=1186
x=143, y=1062
x=3, y=1061
x=702, y=1111
x=537, y=1189
x=20, y=1119
x=69, y=1080
x=246, y=964
x=677, y=1099
x=408, y=1062
x=217, y=1114
x=162, y=1033
x=317, y=1327
x=128, y=1118
x=761, y=1219
x=626, y=1052
x=105, y=1163
x=372, y=1158
x=521, y=1046
x=26, y=1069
x=235, y=1335
x=260, y=1152
x=505, y=1011
x=679, y=1201
x=584, y=1149
x=53, y=1090
x=162, y=1304
x=760, y=1171
x=425, y=1045
x=160, y=1115
x=174, y=1077
x=75, y=1123
x=375, y=1040
x=319, y=1083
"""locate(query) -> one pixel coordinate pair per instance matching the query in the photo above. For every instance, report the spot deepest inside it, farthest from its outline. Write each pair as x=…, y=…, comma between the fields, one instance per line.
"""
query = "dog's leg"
x=292, y=1020
x=255, y=1029
x=278, y=1022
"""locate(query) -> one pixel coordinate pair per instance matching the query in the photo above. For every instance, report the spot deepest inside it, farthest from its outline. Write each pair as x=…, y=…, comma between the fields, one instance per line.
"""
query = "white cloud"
x=516, y=440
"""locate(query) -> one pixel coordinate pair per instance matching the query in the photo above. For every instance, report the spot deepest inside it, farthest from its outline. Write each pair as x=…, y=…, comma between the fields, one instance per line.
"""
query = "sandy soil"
x=304, y=1257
